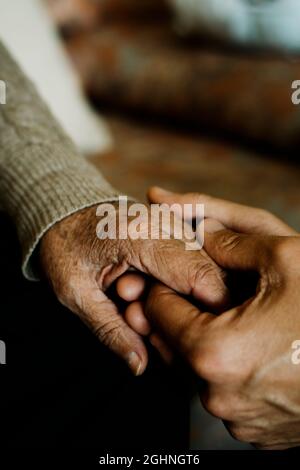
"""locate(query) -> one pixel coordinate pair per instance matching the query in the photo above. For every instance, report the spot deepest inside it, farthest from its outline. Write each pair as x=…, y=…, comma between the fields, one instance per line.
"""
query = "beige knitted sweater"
x=42, y=176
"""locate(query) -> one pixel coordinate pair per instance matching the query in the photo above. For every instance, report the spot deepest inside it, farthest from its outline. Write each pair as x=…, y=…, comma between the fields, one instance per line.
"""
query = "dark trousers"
x=61, y=388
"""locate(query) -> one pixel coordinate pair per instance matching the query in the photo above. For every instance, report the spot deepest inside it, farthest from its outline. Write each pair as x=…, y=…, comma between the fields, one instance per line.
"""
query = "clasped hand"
x=243, y=354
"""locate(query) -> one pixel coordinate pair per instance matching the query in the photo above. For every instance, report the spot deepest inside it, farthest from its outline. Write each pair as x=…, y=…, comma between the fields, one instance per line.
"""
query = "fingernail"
x=212, y=226
x=135, y=363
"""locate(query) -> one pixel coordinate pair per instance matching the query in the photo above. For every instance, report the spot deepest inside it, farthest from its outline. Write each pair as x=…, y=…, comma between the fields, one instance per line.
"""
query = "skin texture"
x=244, y=355
x=81, y=267
x=237, y=217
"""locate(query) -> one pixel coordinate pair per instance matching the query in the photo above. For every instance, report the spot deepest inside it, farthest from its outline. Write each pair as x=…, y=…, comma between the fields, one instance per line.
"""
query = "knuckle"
x=217, y=407
x=203, y=364
x=208, y=361
x=219, y=360
x=203, y=272
x=285, y=250
x=229, y=242
x=244, y=433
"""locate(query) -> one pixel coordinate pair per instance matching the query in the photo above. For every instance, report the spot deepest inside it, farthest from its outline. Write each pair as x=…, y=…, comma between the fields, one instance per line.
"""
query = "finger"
x=136, y=319
x=163, y=349
x=102, y=316
x=188, y=272
x=233, y=250
x=131, y=286
x=235, y=216
x=181, y=324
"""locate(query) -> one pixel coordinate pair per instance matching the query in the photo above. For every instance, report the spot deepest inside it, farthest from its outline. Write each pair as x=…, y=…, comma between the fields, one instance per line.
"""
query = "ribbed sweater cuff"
x=42, y=194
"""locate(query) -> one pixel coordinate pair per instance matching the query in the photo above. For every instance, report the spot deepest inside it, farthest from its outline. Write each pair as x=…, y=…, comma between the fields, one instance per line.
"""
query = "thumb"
x=103, y=318
x=179, y=322
x=233, y=250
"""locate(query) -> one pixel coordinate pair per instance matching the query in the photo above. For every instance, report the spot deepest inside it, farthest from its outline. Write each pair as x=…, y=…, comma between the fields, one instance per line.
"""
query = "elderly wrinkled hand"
x=81, y=267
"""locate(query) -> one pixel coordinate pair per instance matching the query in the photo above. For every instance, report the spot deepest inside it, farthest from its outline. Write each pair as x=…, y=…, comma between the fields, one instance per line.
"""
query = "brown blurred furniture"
x=190, y=116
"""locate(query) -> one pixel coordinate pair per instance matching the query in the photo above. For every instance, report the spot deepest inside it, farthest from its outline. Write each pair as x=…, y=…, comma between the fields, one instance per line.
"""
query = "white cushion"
x=29, y=33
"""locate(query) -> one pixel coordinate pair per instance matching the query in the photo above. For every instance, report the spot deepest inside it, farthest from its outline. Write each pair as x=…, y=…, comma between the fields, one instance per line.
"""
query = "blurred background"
x=198, y=109
x=196, y=95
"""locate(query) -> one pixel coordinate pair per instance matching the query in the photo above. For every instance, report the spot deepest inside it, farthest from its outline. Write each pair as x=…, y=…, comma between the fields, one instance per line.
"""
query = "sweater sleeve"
x=43, y=178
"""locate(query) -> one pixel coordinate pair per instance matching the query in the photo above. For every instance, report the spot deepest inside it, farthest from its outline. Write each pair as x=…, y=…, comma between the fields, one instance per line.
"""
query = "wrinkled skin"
x=239, y=218
x=80, y=268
